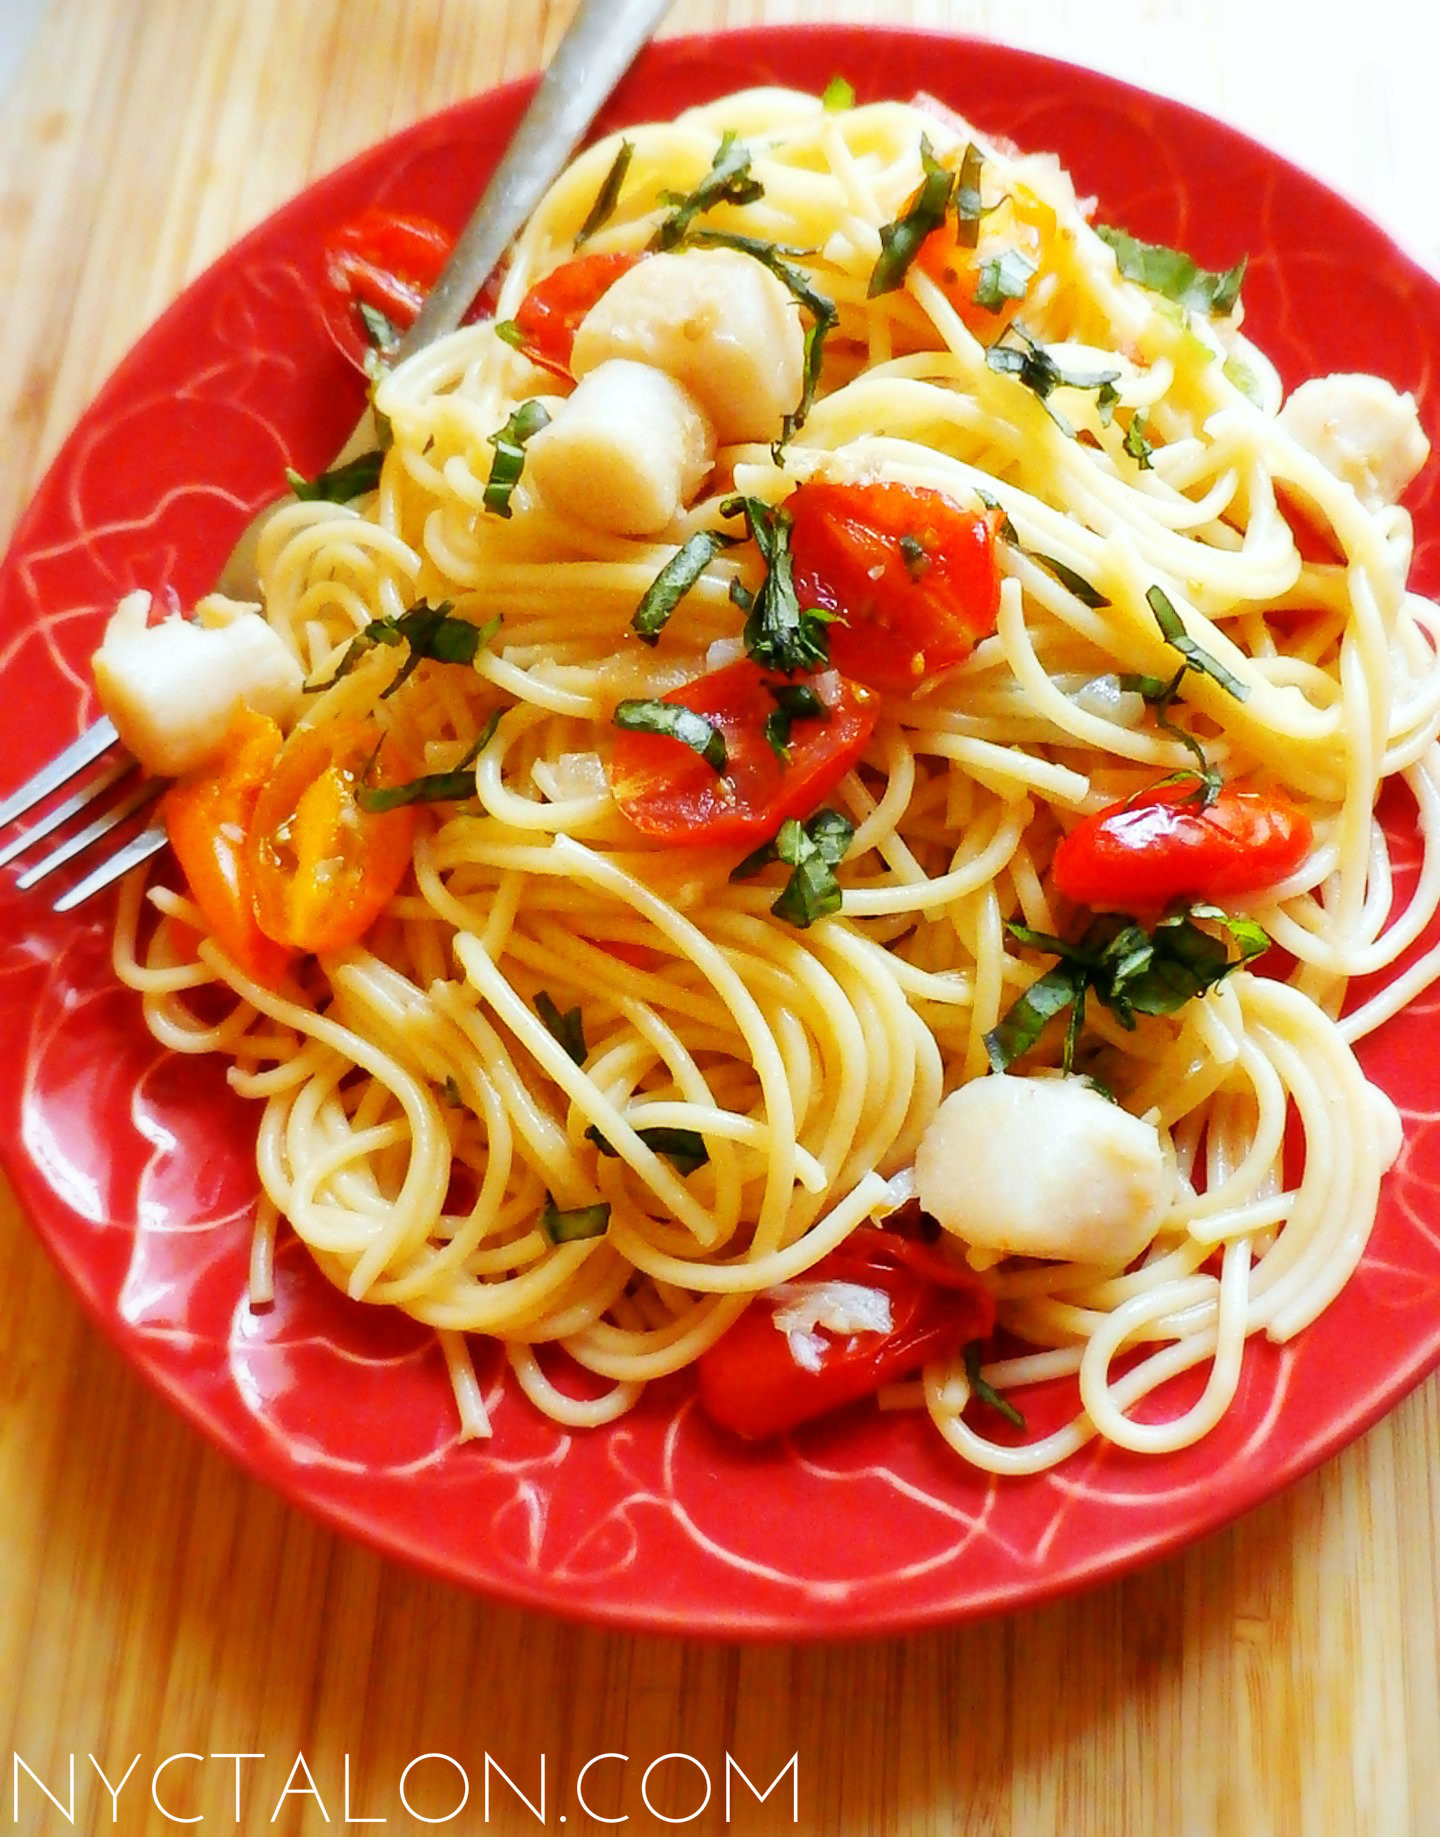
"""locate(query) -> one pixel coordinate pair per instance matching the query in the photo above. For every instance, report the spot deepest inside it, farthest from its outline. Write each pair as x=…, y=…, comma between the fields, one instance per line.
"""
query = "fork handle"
x=596, y=51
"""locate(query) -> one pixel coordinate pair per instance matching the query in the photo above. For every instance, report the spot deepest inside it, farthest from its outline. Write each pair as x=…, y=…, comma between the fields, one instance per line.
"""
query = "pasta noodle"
x=426, y=1120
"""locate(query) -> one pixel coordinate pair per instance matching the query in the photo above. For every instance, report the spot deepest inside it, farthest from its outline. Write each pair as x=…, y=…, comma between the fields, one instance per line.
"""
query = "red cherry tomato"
x=385, y=260
x=1164, y=844
x=669, y=792
x=752, y=1384
x=913, y=576
x=549, y=316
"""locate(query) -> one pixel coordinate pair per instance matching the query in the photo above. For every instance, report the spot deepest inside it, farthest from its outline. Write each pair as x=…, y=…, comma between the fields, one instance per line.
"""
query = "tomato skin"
x=906, y=617
x=1164, y=845
x=1020, y=221
x=323, y=868
x=549, y=316
x=751, y=1384
x=388, y=260
x=207, y=816
x=670, y=793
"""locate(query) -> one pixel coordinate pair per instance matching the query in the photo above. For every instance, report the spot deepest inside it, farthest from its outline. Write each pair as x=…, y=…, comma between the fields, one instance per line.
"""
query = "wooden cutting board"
x=1279, y=1678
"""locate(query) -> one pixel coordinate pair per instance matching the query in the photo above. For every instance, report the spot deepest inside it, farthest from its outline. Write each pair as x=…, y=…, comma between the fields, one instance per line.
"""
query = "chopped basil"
x=508, y=332
x=1003, y=277
x=1105, y=399
x=1159, y=695
x=675, y=722
x=1174, y=274
x=1006, y=531
x=509, y=462
x=674, y=581
x=435, y=787
x=609, y=194
x=567, y=1028
x=985, y=1392
x=1243, y=376
x=1129, y=970
x=812, y=850
x=838, y=96
x=1135, y=443
x=684, y=1148
x=1200, y=661
x=824, y=315
x=915, y=555
x=727, y=182
x=382, y=332
x=430, y=632
x=341, y=483
x=969, y=208
x=900, y=241
x=1031, y=364
x=779, y=635
x=579, y=1222
x=450, y=1091
x=793, y=702
x=1076, y=583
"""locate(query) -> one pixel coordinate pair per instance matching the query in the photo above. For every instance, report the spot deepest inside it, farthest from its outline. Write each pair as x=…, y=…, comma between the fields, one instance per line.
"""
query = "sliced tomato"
x=207, y=816
x=1165, y=844
x=324, y=869
x=912, y=575
x=549, y=316
x=1020, y=224
x=752, y=1383
x=669, y=792
x=386, y=260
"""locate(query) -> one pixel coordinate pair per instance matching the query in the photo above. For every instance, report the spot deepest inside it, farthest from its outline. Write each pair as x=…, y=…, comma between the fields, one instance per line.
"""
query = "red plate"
x=137, y=1169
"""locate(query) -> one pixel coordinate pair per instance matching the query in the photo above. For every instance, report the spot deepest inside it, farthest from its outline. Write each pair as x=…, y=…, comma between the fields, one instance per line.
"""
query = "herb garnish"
x=674, y=581
x=812, y=850
x=1003, y=277
x=684, y=1148
x=1174, y=274
x=341, y=483
x=435, y=787
x=1135, y=442
x=431, y=632
x=727, y=182
x=900, y=241
x=579, y=1222
x=509, y=462
x=793, y=702
x=779, y=635
x=969, y=208
x=1031, y=364
x=451, y=1092
x=609, y=194
x=838, y=95
x=1068, y=578
x=915, y=555
x=383, y=333
x=643, y=715
x=983, y=1391
x=1129, y=970
x=568, y=1028
x=1173, y=631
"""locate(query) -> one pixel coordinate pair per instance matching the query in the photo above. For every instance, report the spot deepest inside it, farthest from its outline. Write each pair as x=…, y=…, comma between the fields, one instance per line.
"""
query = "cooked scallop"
x=1043, y=1167
x=716, y=321
x=1361, y=429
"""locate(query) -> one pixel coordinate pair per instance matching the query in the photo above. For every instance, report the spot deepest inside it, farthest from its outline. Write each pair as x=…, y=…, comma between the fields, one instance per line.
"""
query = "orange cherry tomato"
x=669, y=792
x=913, y=576
x=752, y=1383
x=324, y=869
x=386, y=260
x=1164, y=845
x=1020, y=222
x=207, y=816
x=549, y=316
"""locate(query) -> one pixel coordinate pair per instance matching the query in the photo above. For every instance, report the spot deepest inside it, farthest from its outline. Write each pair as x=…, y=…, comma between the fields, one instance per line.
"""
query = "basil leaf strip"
x=727, y=182
x=1172, y=629
x=341, y=483
x=603, y=209
x=1067, y=577
x=509, y=461
x=793, y=702
x=674, y=581
x=579, y=1222
x=381, y=330
x=983, y=1391
x=568, y=1028
x=1003, y=277
x=779, y=636
x=1173, y=273
x=1033, y=366
x=431, y=632
x=838, y=95
x=674, y=721
x=900, y=241
x=684, y=1149
x=968, y=206
x=1135, y=443
x=435, y=787
x=812, y=850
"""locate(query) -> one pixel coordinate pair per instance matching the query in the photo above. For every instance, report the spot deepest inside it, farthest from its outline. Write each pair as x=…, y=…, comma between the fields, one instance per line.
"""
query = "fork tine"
x=54, y=772
x=144, y=793
x=139, y=848
x=70, y=806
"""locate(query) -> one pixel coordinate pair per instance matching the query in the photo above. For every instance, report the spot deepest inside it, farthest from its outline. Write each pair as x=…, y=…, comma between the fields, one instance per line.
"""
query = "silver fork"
x=597, y=49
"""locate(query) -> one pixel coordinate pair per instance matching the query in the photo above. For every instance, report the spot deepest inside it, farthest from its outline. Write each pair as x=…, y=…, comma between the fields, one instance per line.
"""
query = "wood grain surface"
x=1279, y=1678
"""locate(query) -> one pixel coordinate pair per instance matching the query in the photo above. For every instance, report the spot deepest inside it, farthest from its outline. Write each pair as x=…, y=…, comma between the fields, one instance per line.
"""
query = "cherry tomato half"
x=752, y=1384
x=669, y=792
x=1165, y=844
x=549, y=316
x=913, y=576
x=207, y=816
x=386, y=260
x=324, y=869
